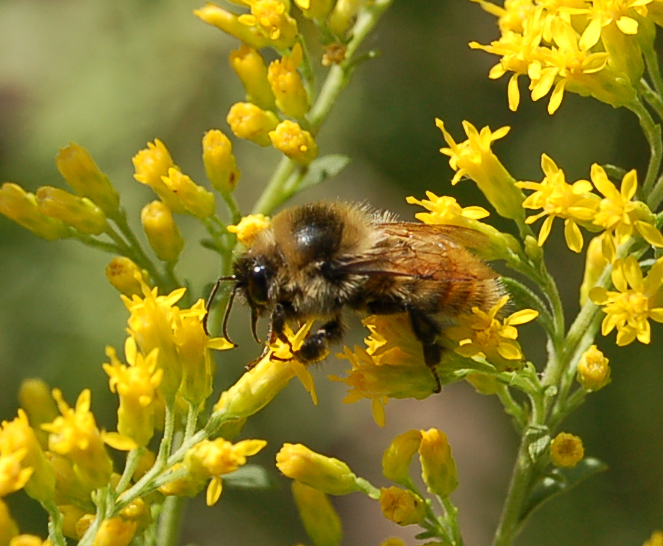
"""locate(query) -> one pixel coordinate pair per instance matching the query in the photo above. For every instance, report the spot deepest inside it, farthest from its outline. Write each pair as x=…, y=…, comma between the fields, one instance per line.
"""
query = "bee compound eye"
x=258, y=284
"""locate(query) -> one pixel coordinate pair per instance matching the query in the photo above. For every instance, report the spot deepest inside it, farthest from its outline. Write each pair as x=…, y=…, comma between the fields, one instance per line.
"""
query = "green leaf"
x=561, y=480
x=249, y=476
x=322, y=168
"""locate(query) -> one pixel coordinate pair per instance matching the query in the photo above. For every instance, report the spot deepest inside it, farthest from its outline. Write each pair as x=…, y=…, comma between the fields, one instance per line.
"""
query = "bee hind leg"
x=426, y=330
x=317, y=343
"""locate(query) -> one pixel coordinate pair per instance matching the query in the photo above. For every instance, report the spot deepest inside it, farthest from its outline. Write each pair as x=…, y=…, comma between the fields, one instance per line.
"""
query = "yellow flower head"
x=249, y=65
x=249, y=227
x=13, y=474
x=315, y=9
x=8, y=527
x=272, y=20
x=656, y=539
x=593, y=369
x=318, y=515
x=249, y=121
x=258, y=386
x=115, y=531
x=151, y=165
x=619, y=216
x=573, y=202
x=21, y=207
x=446, y=210
x=398, y=456
x=220, y=164
x=475, y=159
x=483, y=335
x=635, y=302
x=323, y=473
x=194, y=199
x=229, y=22
x=294, y=142
x=126, y=276
x=161, y=230
x=136, y=386
x=75, y=436
x=78, y=212
x=401, y=506
x=438, y=467
x=287, y=85
x=566, y=450
x=218, y=457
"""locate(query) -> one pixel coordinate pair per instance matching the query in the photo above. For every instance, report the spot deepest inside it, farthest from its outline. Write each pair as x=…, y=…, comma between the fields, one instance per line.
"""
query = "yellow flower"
x=475, y=159
x=249, y=121
x=343, y=15
x=401, y=506
x=229, y=22
x=29, y=540
x=318, y=515
x=126, y=276
x=446, y=210
x=13, y=474
x=315, y=9
x=161, y=230
x=566, y=450
x=21, y=207
x=82, y=174
x=35, y=399
x=630, y=307
x=619, y=216
x=218, y=457
x=80, y=213
x=323, y=473
x=483, y=335
x=398, y=456
x=595, y=263
x=194, y=199
x=115, y=531
x=438, y=467
x=593, y=369
x=249, y=227
x=656, y=539
x=258, y=386
x=75, y=436
x=393, y=541
x=18, y=436
x=151, y=165
x=220, y=164
x=287, y=85
x=8, y=527
x=136, y=386
x=296, y=143
x=573, y=202
x=272, y=20
x=249, y=65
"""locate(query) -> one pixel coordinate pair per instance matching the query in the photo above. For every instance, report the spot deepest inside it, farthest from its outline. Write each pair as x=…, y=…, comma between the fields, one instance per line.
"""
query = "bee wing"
x=429, y=252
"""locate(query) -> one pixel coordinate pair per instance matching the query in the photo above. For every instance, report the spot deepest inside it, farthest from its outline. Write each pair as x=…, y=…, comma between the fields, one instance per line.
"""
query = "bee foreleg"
x=317, y=343
x=426, y=330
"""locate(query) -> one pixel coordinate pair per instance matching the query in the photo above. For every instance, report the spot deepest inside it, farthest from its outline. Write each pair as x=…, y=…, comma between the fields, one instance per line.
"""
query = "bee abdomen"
x=459, y=297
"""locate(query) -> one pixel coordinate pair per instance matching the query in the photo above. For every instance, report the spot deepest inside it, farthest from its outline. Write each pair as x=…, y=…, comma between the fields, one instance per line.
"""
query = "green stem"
x=512, y=407
x=133, y=459
x=55, y=524
x=452, y=520
x=272, y=196
x=168, y=530
x=651, y=60
x=652, y=132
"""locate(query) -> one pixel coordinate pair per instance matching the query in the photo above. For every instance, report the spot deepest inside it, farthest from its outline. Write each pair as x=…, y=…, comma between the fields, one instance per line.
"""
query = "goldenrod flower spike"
x=161, y=230
x=82, y=174
x=402, y=506
x=287, y=85
x=18, y=436
x=398, y=456
x=475, y=159
x=635, y=302
x=249, y=121
x=249, y=65
x=566, y=450
x=593, y=369
x=438, y=467
x=249, y=227
x=125, y=276
x=229, y=22
x=219, y=161
x=78, y=212
x=323, y=473
x=21, y=207
x=318, y=515
x=294, y=142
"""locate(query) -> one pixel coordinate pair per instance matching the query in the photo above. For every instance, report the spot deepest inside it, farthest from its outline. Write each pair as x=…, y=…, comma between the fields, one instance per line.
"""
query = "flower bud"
x=287, y=86
x=21, y=207
x=251, y=122
x=343, y=15
x=125, y=276
x=229, y=22
x=294, y=142
x=566, y=450
x=438, y=468
x=195, y=199
x=8, y=527
x=35, y=398
x=248, y=227
x=325, y=474
x=402, y=506
x=161, y=230
x=315, y=9
x=82, y=174
x=318, y=515
x=115, y=532
x=220, y=164
x=249, y=65
x=593, y=370
x=80, y=213
x=398, y=456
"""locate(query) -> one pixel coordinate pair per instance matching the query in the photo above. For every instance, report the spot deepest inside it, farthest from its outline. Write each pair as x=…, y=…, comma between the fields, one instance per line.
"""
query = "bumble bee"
x=318, y=259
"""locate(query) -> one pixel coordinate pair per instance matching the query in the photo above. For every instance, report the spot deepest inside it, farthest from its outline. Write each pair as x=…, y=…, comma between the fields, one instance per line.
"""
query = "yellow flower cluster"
x=585, y=47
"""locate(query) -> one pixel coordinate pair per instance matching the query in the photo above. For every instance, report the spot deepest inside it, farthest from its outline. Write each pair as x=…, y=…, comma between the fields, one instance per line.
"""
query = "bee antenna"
x=210, y=300
x=254, y=322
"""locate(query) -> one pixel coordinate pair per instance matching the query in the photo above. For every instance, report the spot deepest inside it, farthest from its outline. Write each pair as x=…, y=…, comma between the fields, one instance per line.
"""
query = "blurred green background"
x=113, y=75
